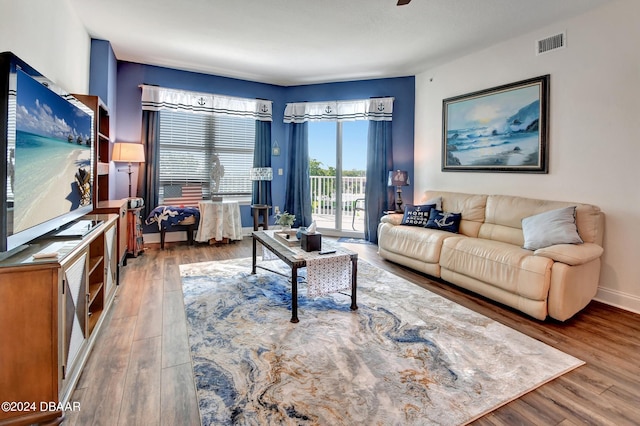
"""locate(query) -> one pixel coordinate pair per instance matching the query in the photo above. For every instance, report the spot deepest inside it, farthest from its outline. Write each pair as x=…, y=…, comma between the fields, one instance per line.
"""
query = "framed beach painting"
x=502, y=129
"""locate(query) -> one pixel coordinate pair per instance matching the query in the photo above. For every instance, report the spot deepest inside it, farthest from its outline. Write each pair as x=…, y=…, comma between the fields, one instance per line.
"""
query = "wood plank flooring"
x=139, y=372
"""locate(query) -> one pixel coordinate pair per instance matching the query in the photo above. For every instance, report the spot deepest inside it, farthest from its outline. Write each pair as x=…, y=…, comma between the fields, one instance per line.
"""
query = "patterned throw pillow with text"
x=416, y=215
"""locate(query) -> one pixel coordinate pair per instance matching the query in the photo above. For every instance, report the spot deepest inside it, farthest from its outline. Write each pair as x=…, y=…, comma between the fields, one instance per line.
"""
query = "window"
x=191, y=144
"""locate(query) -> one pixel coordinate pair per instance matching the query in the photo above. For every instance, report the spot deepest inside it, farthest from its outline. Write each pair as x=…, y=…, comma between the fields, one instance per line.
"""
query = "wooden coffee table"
x=296, y=258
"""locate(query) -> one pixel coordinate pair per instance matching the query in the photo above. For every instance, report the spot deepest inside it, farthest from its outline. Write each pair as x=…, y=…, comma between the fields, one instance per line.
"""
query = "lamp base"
x=399, y=208
x=129, y=172
x=129, y=184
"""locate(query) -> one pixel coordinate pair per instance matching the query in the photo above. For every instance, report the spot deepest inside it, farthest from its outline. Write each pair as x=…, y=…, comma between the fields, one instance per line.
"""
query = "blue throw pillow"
x=444, y=221
x=416, y=215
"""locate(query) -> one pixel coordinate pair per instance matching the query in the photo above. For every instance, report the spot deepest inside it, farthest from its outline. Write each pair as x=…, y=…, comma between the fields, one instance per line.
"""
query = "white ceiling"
x=293, y=42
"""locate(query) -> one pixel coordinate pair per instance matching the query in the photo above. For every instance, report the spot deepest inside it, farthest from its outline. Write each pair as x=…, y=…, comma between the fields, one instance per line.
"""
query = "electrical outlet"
x=276, y=209
x=280, y=172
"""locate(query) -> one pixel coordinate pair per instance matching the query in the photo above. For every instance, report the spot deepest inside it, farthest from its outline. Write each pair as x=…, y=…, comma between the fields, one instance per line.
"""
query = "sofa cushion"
x=412, y=242
x=435, y=200
x=549, y=228
x=444, y=221
x=471, y=206
x=416, y=215
x=392, y=218
x=499, y=264
x=571, y=254
x=504, y=214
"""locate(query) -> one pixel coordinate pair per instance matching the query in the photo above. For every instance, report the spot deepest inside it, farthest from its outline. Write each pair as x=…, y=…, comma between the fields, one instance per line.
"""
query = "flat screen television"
x=46, y=144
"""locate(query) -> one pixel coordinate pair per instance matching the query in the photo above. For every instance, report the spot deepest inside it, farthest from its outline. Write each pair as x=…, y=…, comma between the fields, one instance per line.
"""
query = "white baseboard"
x=628, y=302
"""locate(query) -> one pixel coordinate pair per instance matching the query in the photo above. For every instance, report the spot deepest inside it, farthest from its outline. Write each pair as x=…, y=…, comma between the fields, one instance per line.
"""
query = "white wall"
x=48, y=36
x=594, y=137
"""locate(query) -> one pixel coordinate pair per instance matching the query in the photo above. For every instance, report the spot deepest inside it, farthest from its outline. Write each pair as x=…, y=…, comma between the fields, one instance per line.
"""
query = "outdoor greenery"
x=316, y=169
x=323, y=191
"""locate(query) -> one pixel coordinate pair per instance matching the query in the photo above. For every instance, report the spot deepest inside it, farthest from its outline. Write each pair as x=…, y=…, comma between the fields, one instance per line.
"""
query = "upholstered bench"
x=175, y=218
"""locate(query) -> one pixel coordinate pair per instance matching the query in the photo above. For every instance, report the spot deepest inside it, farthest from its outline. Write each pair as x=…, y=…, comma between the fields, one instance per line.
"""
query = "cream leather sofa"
x=487, y=257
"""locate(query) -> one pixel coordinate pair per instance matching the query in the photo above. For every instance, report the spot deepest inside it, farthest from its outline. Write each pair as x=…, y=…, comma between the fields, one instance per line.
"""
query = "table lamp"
x=128, y=152
x=399, y=178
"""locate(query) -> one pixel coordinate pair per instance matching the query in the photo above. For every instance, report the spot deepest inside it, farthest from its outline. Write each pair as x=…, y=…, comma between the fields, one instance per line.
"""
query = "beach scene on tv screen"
x=52, y=158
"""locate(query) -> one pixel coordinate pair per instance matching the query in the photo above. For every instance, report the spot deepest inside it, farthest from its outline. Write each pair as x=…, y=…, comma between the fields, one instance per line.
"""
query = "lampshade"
x=128, y=152
x=261, y=173
x=399, y=178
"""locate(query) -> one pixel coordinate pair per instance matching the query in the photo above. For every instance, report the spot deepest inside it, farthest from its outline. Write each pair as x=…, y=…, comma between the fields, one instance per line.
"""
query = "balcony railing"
x=325, y=204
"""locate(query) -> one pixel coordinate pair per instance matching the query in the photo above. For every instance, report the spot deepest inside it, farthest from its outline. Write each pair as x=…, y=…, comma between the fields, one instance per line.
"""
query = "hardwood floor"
x=140, y=372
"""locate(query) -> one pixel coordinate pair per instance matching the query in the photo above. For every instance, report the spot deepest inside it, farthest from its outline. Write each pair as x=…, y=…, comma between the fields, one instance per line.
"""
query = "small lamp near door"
x=399, y=178
x=128, y=153
x=260, y=174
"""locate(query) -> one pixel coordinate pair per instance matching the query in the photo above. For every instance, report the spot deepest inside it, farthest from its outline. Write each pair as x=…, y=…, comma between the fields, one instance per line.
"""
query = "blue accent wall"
x=402, y=89
x=103, y=72
x=128, y=114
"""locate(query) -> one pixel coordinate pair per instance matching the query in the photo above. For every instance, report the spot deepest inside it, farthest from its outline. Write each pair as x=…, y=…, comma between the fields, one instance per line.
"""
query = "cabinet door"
x=110, y=260
x=29, y=340
x=74, y=310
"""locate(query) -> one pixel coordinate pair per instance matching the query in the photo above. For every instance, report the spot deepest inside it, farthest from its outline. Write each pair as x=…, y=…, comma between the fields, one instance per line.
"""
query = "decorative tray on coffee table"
x=287, y=237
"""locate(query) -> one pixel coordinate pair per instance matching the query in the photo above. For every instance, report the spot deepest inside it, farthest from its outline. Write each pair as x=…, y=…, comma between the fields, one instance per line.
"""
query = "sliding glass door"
x=337, y=162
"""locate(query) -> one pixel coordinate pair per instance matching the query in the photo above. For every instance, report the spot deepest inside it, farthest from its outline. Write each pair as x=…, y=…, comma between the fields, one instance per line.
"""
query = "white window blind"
x=188, y=144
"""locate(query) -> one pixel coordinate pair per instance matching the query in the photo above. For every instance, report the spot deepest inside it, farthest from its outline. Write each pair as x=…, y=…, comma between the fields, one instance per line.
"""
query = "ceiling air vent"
x=549, y=44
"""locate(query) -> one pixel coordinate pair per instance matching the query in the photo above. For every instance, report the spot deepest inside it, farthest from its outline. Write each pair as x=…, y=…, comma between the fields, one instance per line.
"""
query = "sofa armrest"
x=571, y=254
x=392, y=218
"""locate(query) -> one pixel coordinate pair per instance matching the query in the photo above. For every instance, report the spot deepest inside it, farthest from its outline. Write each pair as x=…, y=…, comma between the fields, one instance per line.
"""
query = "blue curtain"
x=262, y=158
x=378, y=195
x=148, y=172
x=298, y=189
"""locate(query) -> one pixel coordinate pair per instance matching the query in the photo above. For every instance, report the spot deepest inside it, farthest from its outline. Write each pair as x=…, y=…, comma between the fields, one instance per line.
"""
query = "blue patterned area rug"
x=406, y=356
x=353, y=240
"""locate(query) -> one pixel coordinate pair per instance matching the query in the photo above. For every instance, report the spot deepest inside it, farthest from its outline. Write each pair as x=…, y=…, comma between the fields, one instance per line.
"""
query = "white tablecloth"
x=219, y=220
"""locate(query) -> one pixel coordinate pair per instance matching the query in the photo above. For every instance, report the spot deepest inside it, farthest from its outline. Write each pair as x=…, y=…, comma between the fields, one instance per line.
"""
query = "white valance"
x=376, y=109
x=156, y=98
